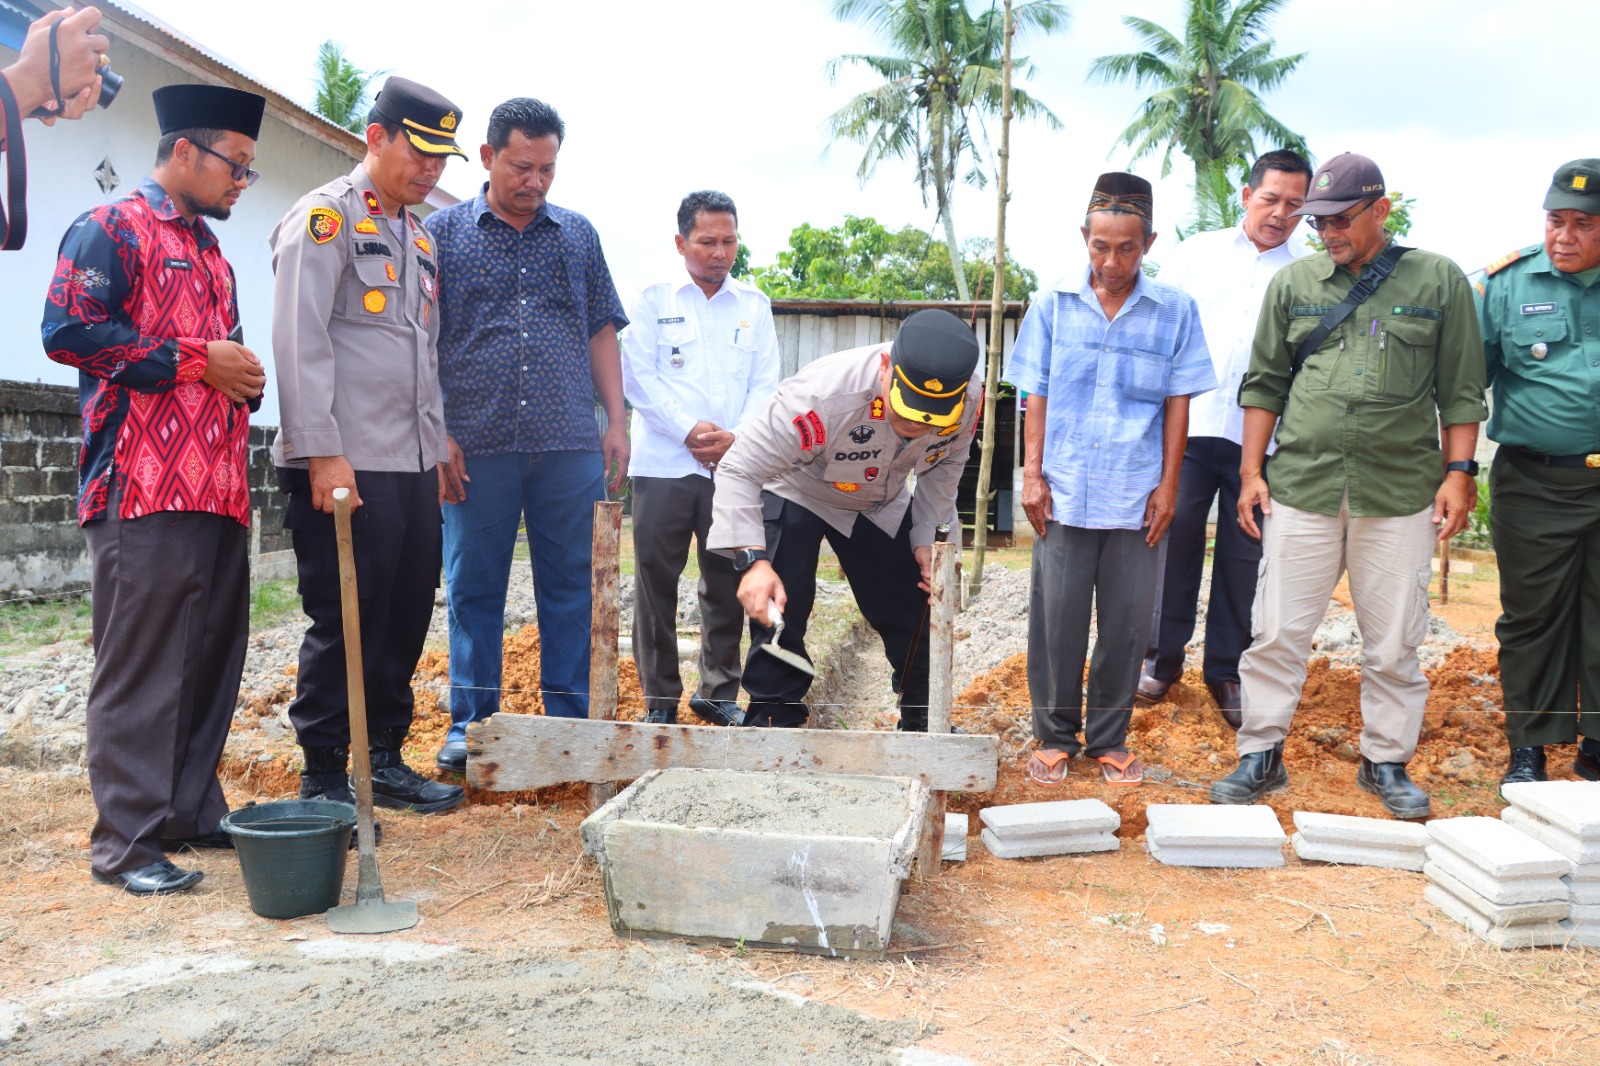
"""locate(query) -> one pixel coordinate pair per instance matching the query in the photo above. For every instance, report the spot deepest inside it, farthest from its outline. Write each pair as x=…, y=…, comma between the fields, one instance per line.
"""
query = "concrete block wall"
x=41, y=547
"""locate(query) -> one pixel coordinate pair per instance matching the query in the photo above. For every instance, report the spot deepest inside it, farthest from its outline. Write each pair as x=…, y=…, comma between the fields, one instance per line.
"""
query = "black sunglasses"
x=239, y=170
x=1336, y=222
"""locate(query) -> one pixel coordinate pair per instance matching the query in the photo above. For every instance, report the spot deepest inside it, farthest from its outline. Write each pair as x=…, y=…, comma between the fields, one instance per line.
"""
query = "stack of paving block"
x=1565, y=815
x=1500, y=883
x=1350, y=841
x=1061, y=827
x=1189, y=835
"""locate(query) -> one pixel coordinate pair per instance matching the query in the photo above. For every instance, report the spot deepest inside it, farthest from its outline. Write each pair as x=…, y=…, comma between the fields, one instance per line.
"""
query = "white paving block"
x=1573, y=848
x=1022, y=821
x=1583, y=934
x=1500, y=914
x=1584, y=891
x=1351, y=855
x=1589, y=914
x=1074, y=844
x=1213, y=826
x=1525, y=890
x=1571, y=806
x=1232, y=858
x=955, y=838
x=1545, y=935
x=1498, y=849
x=1386, y=833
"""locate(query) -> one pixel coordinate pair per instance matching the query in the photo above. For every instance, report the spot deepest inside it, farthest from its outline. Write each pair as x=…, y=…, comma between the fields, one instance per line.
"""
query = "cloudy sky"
x=1468, y=105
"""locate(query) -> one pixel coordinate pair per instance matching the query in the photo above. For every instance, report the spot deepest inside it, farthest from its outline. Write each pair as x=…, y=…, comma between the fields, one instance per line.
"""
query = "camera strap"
x=1364, y=287
x=15, y=228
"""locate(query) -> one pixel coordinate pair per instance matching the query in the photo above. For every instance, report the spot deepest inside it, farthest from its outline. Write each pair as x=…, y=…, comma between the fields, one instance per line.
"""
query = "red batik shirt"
x=136, y=295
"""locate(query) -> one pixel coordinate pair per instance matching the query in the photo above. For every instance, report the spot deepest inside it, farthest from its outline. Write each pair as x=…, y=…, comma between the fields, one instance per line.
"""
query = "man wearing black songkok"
x=144, y=305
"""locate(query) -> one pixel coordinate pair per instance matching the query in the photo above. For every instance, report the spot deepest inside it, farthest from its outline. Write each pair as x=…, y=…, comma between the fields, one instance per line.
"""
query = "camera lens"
x=110, y=86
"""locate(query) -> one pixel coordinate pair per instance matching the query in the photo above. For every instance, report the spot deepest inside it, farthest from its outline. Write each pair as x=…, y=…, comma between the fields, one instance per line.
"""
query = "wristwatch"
x=1468, y=467
x=743, y=558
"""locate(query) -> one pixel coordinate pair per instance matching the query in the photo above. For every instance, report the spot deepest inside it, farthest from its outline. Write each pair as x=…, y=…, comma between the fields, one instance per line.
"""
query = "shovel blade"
x=373, y=917
x=786, y=656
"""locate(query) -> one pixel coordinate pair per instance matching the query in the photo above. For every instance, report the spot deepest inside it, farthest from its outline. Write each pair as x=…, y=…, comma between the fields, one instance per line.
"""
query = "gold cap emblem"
x=933, y=385
x=1580, y=182
x=448, y=122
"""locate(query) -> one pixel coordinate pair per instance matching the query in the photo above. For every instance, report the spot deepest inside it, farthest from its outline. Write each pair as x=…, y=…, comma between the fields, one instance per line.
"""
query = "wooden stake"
x=606, y=555
x=941, y=663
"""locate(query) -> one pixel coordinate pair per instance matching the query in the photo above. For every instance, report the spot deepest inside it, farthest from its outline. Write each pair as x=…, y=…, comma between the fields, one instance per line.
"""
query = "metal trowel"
x=370, y=913
x=775, y=620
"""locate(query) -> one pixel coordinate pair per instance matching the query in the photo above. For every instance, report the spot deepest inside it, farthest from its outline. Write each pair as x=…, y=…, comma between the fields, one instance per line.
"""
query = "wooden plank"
x=606, y=548
x=941, y=694
x=827, y=337
x=511, y=752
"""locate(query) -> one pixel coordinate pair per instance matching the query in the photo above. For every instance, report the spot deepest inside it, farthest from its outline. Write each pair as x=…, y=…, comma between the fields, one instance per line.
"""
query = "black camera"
x=110, y=85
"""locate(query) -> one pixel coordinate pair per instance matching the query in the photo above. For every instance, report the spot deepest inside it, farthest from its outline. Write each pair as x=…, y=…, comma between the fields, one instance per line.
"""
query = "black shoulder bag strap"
x=1365, y=286
x=15, y=230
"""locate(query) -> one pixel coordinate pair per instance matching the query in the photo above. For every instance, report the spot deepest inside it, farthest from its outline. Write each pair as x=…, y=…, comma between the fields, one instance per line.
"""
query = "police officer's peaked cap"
x=932, y=359
x=1345, y=181
x=1576, y=187
x=428, y=120
x=208, y=107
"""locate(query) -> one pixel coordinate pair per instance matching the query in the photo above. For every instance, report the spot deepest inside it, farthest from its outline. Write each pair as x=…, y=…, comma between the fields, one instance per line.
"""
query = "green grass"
x=41, y=622
x=274, y=601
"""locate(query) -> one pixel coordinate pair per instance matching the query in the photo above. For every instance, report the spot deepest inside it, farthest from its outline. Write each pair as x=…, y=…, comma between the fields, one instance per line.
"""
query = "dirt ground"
x=1106, y=959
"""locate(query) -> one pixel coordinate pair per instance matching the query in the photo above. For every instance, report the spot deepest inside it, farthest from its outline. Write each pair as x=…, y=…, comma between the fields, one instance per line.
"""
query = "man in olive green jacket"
x=1358, y=483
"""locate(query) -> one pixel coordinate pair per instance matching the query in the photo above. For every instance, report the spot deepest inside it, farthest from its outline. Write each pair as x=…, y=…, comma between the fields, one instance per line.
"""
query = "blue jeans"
x=557, y=492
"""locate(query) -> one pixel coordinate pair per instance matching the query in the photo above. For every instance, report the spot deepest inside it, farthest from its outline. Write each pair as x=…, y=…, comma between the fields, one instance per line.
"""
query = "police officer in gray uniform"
x=829, y=458
x=354, y=328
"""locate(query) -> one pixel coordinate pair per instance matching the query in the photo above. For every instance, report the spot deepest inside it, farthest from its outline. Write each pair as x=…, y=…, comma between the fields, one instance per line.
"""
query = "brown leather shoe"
x=1151, y=691
x=1226, y=693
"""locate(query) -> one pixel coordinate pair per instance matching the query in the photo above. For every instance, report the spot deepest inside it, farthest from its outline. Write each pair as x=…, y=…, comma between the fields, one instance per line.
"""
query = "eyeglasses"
x=243, y=173
x=1336, y=222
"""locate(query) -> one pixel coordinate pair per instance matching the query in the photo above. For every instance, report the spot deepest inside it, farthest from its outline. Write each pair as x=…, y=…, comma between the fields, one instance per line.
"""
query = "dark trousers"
x=396, y=536
x=1210, y=471
x=171, y=618
x=667, y=514
x=1546, y=528
x=883, y=573
x=1113, y=573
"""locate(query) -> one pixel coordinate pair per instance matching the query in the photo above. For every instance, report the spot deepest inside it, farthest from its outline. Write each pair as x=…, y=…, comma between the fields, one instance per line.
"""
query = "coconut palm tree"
x=342, y=88
x=941, y=79
x=1207, y=104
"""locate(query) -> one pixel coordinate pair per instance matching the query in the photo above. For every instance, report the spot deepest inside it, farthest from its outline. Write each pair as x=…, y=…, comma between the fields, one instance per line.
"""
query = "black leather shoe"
x=1389, y=782
x=1226, y=693
x=1150, y=690
x=715, y=712
x=1527, y=764
x=662, y=717
x=1587, y=764
x=1258, y=773
x=452, y=757
x=396, y=785
x=217, y=838
x=158, y=879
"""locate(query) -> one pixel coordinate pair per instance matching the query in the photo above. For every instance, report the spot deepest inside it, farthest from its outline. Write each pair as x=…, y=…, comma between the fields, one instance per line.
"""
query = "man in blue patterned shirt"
x=528, y=337
x=1109, y=361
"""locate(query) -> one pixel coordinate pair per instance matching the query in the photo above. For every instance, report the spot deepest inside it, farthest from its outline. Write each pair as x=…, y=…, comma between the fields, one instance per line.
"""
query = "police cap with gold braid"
x=931, y=360
x=428, y=120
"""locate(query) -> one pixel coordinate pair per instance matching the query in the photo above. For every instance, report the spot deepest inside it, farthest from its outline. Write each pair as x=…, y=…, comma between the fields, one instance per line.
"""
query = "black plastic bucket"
x=292, y=854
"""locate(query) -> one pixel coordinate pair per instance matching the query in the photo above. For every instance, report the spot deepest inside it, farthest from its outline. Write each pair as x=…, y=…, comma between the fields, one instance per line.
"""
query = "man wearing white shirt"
x=1226, y=271
x=699, y=358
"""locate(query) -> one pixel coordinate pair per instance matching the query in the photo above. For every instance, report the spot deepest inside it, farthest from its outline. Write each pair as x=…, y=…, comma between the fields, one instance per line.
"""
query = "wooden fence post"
x=941, y=697
x=606, y=560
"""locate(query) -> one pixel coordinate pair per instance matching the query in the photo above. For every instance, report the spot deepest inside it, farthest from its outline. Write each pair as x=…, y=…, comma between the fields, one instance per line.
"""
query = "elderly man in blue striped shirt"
x=1109, y=361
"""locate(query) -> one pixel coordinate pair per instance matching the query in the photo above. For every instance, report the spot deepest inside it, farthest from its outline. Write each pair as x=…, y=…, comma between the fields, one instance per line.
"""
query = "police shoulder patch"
x=800, y=425
x=323, y=224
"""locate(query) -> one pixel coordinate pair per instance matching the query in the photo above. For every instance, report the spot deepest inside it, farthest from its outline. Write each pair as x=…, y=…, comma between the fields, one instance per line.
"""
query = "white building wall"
x=61, y=185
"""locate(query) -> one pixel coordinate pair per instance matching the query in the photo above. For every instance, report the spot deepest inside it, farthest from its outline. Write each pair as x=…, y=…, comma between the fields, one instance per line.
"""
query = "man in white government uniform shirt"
x=1226, y=272
x=699, y=358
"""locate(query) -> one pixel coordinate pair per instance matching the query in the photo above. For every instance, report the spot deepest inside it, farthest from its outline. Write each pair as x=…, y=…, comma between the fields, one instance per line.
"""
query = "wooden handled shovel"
x=369, y=913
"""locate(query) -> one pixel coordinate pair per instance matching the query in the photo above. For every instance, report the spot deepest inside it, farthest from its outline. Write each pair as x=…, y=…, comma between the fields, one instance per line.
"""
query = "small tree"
x=342, y=88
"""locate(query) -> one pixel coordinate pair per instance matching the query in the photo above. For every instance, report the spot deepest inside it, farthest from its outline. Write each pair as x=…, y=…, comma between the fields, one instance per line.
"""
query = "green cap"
x=1576, y=187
